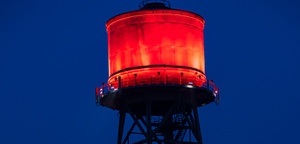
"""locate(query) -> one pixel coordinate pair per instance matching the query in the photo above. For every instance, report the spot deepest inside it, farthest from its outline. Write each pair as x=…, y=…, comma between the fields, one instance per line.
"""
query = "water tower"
x=157, y=74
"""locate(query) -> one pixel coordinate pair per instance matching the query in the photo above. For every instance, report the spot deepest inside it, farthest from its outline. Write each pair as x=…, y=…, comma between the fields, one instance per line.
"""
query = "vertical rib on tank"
x=156, y=46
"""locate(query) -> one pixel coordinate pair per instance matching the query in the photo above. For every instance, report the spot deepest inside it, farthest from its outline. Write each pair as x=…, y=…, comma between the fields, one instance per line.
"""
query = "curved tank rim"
x=112, y=19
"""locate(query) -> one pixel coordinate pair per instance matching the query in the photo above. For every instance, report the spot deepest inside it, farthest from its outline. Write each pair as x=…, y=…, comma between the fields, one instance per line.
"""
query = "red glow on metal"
x=158, y=75
x=143, y=43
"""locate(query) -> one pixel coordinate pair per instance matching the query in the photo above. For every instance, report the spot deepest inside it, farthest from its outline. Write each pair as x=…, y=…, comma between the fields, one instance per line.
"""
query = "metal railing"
x=158, y=79
x=189, y=82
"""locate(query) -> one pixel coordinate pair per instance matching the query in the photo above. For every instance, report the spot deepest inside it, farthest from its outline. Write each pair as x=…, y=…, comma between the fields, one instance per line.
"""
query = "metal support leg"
x=128, y=133
x=165, y=117
x=168, y=133
x=197, y=126
x=137, y=122
x=191, y=124
x=153, y=134
x=149, y=129
x=121, y=126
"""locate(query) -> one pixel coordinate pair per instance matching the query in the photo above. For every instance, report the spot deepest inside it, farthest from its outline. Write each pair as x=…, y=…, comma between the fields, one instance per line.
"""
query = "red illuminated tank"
x=156, y=49
x=156, y=46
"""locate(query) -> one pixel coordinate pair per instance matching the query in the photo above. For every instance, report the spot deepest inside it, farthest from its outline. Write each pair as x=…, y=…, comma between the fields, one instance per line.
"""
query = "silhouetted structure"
x=157, y=73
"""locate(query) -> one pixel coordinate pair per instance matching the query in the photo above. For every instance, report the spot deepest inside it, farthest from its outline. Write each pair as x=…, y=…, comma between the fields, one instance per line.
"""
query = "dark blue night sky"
x=54, y=53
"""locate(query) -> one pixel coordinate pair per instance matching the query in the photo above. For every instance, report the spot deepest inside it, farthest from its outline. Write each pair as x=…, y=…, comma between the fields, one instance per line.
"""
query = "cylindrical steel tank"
x=156, y=46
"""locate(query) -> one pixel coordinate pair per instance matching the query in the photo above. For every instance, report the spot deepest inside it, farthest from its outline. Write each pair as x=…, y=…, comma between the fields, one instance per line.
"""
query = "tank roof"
x=154, y=4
